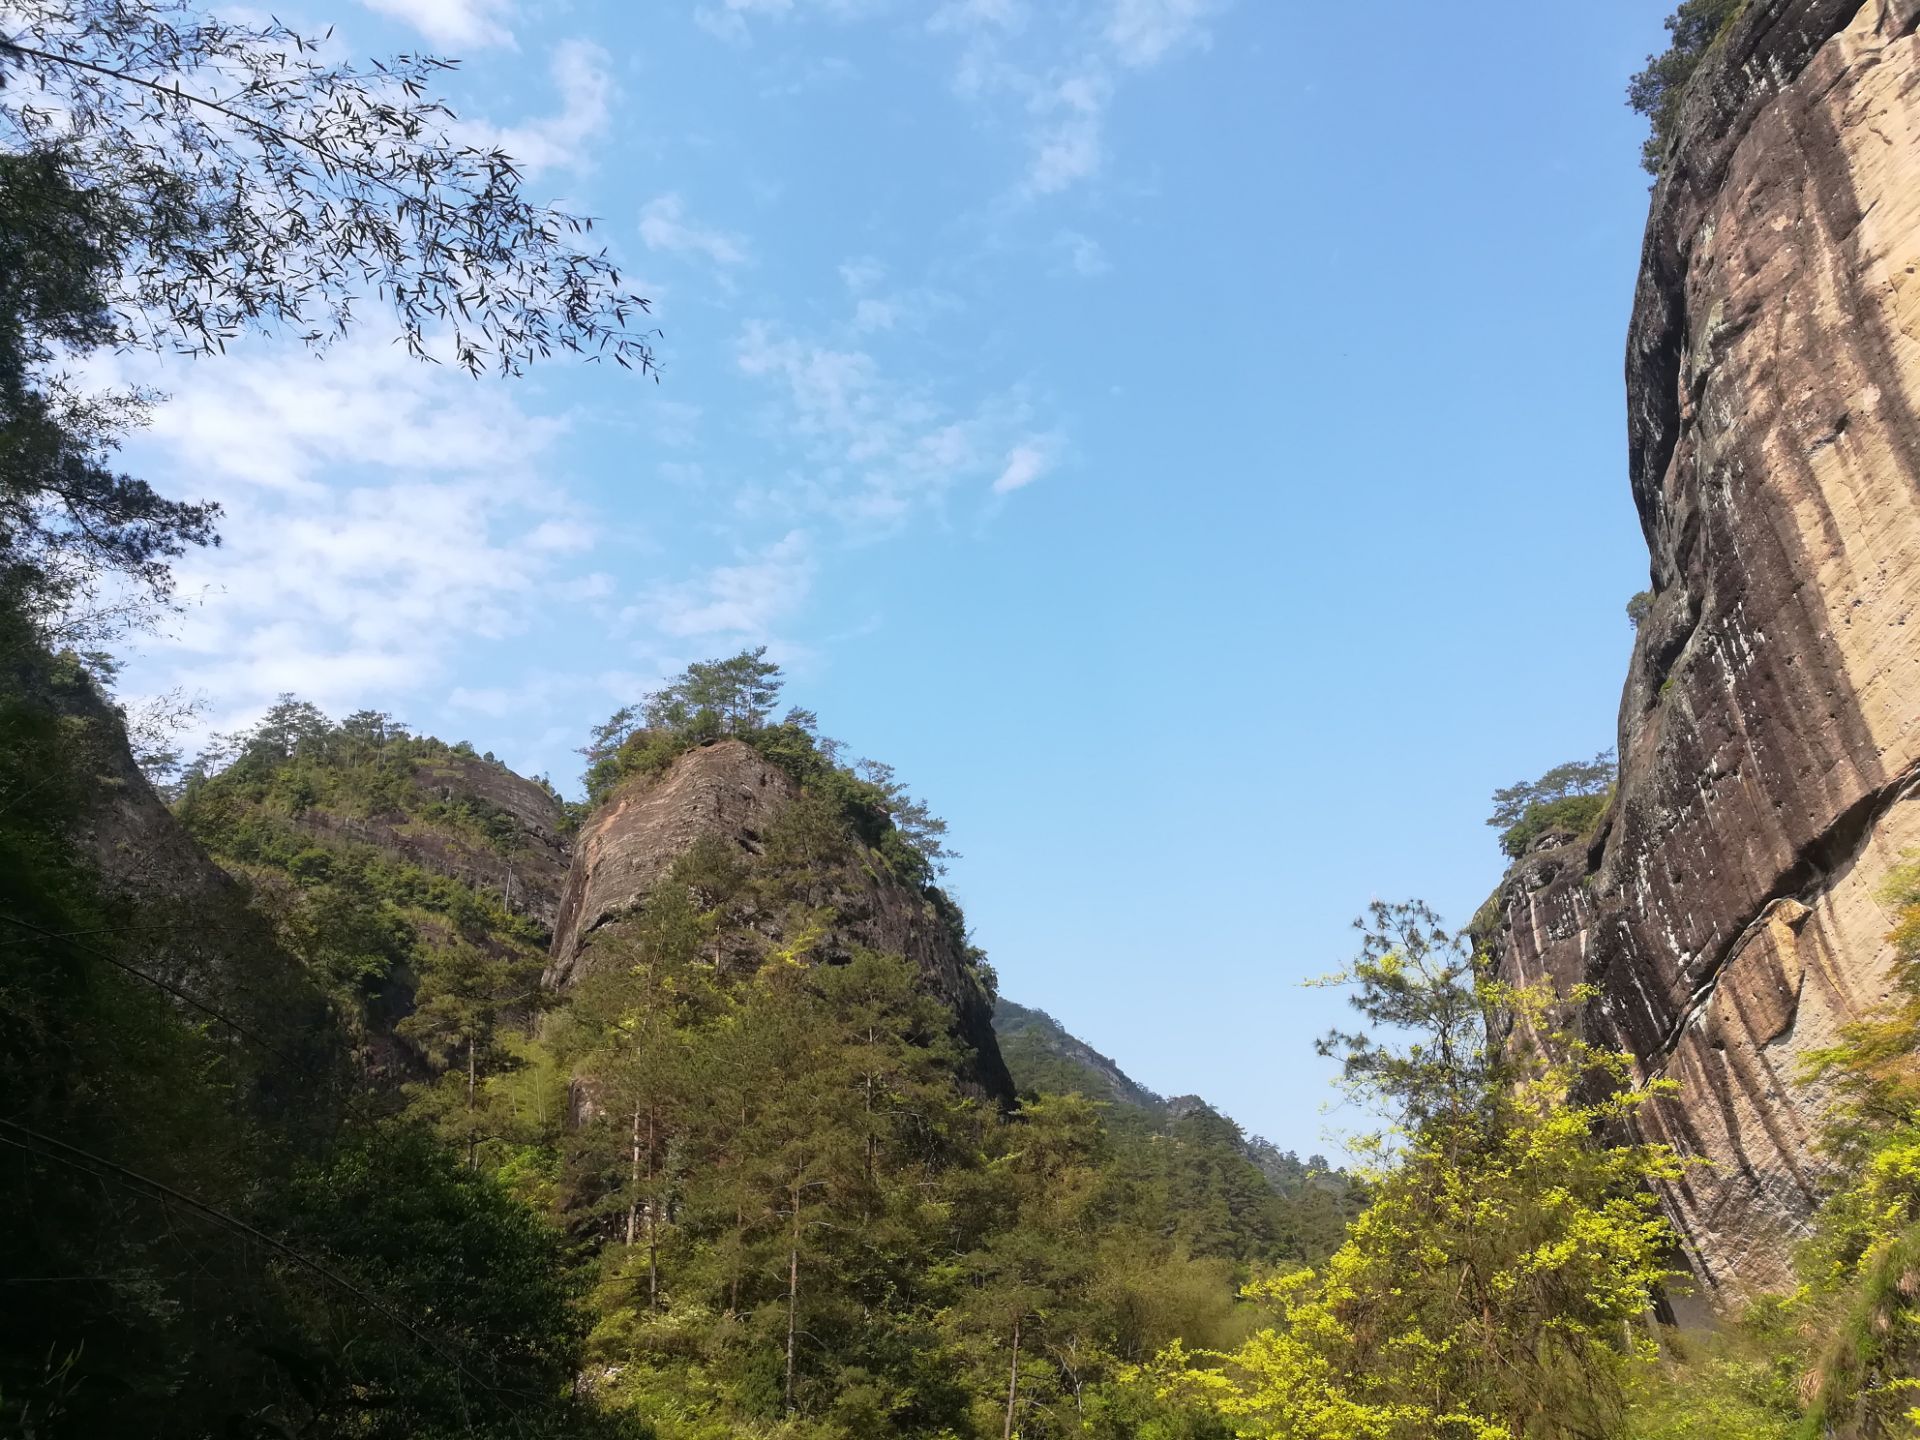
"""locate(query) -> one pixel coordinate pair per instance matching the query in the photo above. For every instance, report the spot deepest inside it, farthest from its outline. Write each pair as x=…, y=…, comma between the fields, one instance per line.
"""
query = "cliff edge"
x=728, y=790
x=1729, y=909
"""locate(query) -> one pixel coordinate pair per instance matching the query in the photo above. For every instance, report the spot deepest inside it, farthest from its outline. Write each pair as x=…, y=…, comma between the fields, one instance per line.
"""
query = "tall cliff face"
x=1728, y=911
x=181, y=927
x=730, y=791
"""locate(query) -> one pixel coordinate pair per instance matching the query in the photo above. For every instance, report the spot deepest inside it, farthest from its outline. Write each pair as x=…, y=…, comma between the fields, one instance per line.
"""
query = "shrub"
x=1656, y=92
x=1573, y=813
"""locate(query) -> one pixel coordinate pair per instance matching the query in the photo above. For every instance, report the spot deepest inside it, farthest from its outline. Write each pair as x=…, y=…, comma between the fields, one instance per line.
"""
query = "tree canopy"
x=1568, y=796
x=172, y=178
x=1656, y=91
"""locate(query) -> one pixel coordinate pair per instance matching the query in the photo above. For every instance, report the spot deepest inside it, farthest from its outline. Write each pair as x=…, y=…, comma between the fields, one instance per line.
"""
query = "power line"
x=150, y=1189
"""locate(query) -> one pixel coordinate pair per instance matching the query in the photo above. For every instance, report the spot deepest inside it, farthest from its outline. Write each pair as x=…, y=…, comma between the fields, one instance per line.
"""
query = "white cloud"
x=1084, y=254
x=583, y=77
x=1144, y=32
x=455, y=24
x=1067, y=141
x=966, y=16
x=1059, y=62
x=728, y=19
x=491, y=701
x=561, y=537
x=879, y=307
x=871, y=449
x=1062, y=65
x=740, y=601
x=594, y=585
x=862, y=274
x=872, y=314
x=664, y=226
x=1025, y=464
x=380, y=513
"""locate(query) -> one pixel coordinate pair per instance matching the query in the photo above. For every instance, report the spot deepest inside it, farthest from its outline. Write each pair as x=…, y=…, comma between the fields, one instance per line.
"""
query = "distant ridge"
x=1045, y=1057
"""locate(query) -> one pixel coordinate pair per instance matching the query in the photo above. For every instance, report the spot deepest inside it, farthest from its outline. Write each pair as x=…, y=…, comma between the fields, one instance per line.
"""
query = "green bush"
x=1573, y=813
x=1656, y=92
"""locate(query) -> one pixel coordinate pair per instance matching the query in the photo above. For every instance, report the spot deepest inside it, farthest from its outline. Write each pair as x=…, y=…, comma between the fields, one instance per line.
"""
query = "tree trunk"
x=473, y=1133
x=739, y=1249
x=739, y=1234
x=633, y=1185
x=793, y=1292
x=1013, y=1382
x=653, y=1221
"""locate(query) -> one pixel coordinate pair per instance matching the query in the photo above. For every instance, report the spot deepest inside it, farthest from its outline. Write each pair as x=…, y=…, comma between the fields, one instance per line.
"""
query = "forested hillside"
x=1315, y=1200
x=353, y=1087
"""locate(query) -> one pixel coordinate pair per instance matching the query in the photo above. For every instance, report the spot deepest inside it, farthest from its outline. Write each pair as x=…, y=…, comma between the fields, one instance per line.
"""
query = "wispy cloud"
x=739, y=602
x=1084, y=255
x=665, y=226
x=379, y=513
x=1025, y=464
x=1060, y=63
x=966, y=16
x=1064, y=64
x=879, y=305
x=583, y=78
x=1142, y=33
x=453, y=24
x=1067, y=138
x=869, y=449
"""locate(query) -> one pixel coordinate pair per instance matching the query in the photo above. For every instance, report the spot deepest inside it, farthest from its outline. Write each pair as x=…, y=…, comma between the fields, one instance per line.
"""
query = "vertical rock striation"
x=1729, y=911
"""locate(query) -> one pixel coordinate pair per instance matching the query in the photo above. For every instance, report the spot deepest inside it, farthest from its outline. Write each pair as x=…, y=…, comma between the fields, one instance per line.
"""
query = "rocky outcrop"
x=534, y=873
x=524, y=865
x=184, y=926
x=729, y=790
x=1730, y=910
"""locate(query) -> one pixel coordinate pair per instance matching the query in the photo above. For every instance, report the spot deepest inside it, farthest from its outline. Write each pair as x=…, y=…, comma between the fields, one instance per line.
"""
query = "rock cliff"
x=184, y=927
x=729, y=790
x=1729, y=910
x=523, y=858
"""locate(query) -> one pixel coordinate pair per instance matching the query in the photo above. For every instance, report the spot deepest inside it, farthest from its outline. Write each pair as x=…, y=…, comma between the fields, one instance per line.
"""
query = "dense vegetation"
x=210, y=1231
x=1657, y=91
x=1568, y=800
x=301, y=1147
x=1305, y=1202
x=722, y=1185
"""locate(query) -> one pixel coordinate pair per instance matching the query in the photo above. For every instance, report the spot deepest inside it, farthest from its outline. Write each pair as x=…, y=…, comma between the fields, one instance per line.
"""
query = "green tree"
x=1568, y=796
x=467, y=994
x=68, y=519
x=1539, y=1241
x=172, y=179
x=741, y=690
x=1022, y=1308
x=1656, y=91
x=1424, y=1053
x=269, y=201
x=289, y=725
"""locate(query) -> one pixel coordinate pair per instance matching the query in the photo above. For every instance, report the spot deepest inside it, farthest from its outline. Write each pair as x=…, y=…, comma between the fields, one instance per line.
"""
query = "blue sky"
x=1185, y=438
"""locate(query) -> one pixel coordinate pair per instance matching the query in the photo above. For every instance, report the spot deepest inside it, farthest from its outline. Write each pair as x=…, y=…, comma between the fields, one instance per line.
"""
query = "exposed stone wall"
x=1770, y=725
x=728, y=789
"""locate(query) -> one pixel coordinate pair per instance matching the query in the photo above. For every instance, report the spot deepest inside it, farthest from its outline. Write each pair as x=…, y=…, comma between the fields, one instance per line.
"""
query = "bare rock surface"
x=1731, y=909
x=188, y=930
x=727, y=789
x=535, y=874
